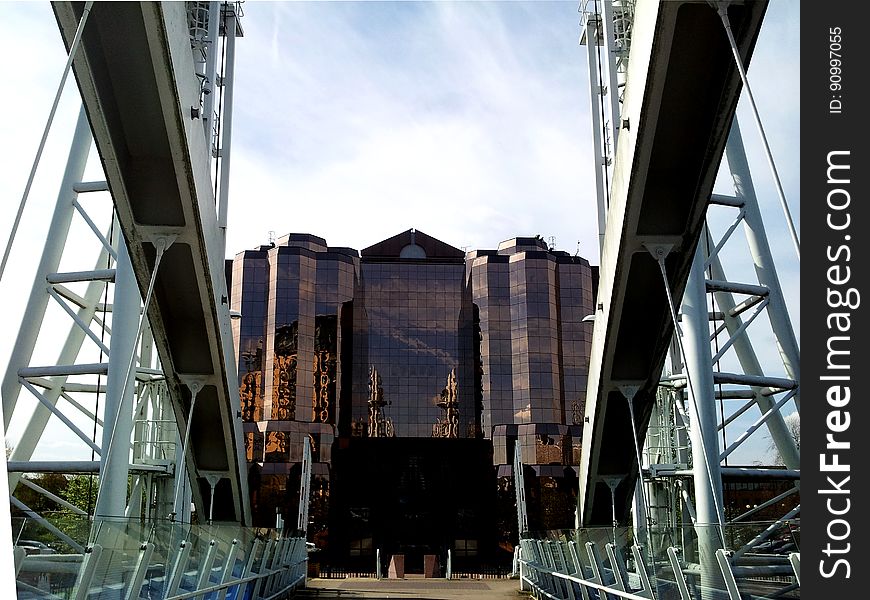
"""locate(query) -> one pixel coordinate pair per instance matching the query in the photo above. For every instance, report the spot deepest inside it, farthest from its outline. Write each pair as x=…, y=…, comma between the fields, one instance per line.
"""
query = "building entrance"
x=412, y=497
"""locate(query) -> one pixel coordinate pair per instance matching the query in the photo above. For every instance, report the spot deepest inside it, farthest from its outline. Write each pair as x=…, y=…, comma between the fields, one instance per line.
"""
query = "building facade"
x=413, y=369
x=293, y=298
x=534, y=350
x=413, y=320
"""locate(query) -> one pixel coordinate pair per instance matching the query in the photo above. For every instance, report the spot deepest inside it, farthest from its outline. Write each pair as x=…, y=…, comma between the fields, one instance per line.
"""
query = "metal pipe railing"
x=553, y=569
x=222, y=586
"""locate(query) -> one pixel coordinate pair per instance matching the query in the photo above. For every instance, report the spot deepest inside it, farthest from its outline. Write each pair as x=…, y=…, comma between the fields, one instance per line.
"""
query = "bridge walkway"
x=412, y=587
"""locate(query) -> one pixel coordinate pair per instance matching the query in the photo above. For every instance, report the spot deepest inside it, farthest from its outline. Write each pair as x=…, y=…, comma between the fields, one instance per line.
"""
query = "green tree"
x=81, y=490
x=51, y=482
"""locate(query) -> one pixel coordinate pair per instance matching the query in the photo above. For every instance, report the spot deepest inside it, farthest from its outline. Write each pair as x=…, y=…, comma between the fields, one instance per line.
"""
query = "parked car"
x=35, y=547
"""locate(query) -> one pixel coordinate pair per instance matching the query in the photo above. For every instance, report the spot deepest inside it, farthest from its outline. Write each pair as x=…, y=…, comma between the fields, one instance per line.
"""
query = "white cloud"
x=426, y=115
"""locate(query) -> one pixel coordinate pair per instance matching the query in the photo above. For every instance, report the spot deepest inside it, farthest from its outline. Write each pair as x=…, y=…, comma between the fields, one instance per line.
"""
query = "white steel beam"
x=120, y=384
x=158, y=167
x=702, y=415
x=750, y=364
x=762, y=257
x=77, y=276
x=663, y=175
x=595, y=87
x=56, y=238
x=69, y=351
x=51, y=406
x=226, y=122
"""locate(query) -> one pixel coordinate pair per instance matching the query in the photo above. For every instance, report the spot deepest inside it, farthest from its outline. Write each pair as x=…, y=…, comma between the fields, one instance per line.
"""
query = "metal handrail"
x=220, y=586
x=609, y=590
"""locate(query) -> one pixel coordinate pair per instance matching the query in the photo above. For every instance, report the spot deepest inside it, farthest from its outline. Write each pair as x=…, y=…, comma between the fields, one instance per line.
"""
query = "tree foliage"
x=78, y=490
x=81, y=490
x=793, y=423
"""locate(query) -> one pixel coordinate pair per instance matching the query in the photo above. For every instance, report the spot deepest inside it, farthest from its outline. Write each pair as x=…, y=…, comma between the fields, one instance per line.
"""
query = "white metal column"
x=226, y=120
x=304, y=489
x=520, y=491
x=707, y=476
x=603, y=51
x=595, y=88
x=208, y=120
x=7, y=558
x=118, y=415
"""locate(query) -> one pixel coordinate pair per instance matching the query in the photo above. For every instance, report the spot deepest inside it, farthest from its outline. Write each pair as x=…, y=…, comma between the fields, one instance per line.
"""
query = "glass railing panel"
x=762, y=570
x=50, y=568
x=51, y=557
x=120, y=541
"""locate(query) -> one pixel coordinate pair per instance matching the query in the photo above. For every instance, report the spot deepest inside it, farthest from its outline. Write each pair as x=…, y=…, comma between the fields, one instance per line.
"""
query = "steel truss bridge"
x=156, y=86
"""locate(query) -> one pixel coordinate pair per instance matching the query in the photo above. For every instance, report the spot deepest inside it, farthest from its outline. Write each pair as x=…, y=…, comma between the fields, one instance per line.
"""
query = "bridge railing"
x=134, y=559
x=680, y=563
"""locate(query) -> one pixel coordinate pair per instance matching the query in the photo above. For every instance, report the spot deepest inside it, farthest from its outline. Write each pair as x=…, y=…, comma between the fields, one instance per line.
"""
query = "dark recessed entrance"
x=413, y=497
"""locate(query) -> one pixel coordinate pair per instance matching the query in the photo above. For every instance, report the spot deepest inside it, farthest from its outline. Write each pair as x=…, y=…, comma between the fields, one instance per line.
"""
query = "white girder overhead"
x=677, y=107
x=143, y=98
x=663, y=283
x=93, y=369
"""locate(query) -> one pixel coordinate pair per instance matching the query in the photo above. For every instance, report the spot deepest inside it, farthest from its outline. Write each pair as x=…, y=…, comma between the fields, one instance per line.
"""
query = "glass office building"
x=413, y=320
x=293, y=298
x=413, y=369
x=534, y=350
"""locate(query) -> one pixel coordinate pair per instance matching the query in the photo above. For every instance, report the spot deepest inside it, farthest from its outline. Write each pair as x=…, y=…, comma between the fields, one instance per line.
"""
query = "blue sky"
x=357, y=120
x=465, y=120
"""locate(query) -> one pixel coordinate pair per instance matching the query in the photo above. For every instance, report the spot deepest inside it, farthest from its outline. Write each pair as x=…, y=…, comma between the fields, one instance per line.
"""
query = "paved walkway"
x=410, y=588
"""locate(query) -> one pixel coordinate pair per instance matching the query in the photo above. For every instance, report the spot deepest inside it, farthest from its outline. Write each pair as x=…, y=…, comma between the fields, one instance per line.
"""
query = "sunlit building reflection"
x=413, y=369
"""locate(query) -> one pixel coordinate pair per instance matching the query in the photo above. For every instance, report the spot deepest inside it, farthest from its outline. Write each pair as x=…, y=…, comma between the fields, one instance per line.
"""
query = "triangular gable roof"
x=391, y=247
